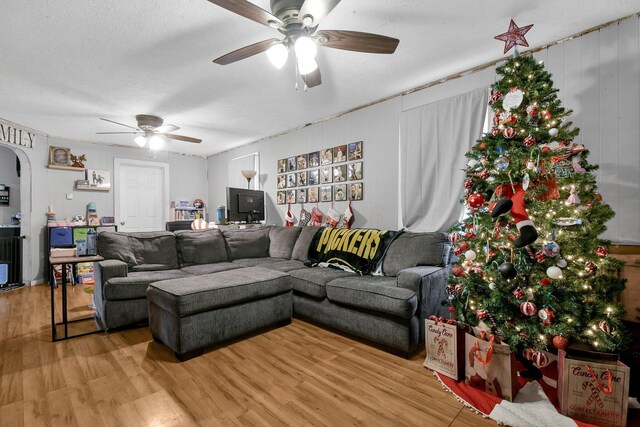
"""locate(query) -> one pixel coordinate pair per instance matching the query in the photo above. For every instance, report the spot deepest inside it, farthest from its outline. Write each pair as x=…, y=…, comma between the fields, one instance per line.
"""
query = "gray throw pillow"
x=200, y=247
x=155, y=247
x=113, y=245
x=248, y=243
x=414, y=249
x=301, y=249
x=282, y=241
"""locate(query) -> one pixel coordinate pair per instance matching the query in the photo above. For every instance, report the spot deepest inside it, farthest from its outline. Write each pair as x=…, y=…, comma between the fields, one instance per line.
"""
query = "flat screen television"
x=245, y=205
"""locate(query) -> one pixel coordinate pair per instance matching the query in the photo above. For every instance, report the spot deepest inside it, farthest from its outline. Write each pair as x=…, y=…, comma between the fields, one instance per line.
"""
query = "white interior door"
x=141, y=195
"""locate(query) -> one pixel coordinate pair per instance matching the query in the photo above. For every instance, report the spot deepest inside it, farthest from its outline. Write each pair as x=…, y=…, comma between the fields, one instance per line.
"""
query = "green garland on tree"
x=532, y=269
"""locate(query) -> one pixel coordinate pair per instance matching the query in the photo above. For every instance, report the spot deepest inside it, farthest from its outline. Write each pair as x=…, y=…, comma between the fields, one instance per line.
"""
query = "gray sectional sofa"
x=199, y=288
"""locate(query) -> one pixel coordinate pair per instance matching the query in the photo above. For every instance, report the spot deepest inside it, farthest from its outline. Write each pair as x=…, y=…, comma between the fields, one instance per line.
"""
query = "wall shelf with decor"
x=66, y=168
x=92, y=188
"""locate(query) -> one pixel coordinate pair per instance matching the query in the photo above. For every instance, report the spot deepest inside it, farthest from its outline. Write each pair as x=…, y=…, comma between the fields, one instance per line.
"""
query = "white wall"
x=376, y=126
x=9, y=178
x=598, y=76
x=49, y=187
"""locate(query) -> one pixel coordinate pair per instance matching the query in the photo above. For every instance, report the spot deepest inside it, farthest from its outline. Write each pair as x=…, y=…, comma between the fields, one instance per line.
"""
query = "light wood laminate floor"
x=296, y=375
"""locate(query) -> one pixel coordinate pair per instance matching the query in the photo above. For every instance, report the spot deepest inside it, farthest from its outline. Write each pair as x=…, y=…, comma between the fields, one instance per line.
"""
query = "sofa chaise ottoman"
x=192, y=313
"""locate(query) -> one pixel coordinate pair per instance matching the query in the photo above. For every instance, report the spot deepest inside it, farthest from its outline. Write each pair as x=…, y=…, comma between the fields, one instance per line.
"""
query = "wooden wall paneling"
x=609, y=123
x=573, y=83
x=555, y=65
x=591, y=97
x=629, y=131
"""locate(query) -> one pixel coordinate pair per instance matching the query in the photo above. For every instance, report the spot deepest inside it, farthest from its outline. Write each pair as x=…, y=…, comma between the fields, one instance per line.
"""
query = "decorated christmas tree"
x=532, y=269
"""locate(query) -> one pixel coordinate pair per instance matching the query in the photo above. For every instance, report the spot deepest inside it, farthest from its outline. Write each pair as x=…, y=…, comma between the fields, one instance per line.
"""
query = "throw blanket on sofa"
x=358, y=250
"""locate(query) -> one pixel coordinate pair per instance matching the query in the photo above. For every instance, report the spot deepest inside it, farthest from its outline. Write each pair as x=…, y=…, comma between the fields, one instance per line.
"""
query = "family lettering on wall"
x=14, y=135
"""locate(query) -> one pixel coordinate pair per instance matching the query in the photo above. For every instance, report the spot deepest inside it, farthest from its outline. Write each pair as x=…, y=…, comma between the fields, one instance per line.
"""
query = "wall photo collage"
x=328, y=175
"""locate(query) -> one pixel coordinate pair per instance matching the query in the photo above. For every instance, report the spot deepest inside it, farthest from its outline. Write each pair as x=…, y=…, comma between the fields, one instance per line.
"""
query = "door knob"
x=121, y=222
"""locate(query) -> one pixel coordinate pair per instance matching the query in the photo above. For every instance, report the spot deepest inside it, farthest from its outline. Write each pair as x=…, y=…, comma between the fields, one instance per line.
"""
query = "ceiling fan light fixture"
x=305, y=48
x=307, y=20
x=156, y=142
x=140, y=140
x=307, y=65
x=278, y=54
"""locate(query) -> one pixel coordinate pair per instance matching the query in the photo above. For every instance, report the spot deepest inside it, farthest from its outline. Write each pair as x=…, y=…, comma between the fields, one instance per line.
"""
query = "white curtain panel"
x=433, y=141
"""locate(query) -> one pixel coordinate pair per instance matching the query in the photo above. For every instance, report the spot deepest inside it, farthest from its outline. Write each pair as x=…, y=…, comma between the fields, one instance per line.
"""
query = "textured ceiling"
x=64, y=64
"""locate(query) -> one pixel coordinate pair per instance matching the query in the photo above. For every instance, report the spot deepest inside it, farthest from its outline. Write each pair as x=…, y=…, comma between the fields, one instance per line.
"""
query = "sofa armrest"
x=107, y=270
x=430, y=285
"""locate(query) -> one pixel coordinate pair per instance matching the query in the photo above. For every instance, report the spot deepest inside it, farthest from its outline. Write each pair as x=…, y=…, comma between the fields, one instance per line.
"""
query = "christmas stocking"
x=348, y=218
x=316, y=218
x=305, y=217
x=333, y=218
x=289, y=219
x=513, y=202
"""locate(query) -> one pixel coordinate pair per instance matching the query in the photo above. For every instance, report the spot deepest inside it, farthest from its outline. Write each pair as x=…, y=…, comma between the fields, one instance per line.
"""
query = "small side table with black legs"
x=64, y=262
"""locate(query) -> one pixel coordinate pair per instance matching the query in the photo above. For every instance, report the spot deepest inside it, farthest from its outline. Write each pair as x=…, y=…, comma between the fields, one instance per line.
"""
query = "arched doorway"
x=20, y=200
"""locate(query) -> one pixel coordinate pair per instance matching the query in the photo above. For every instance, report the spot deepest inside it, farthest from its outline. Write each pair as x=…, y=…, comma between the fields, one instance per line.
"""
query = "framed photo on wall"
x=291, y=180
x=302, y=179
x=326, y=156
x=314, y=159
x=326, y=175
x=355, y=171
x=98, y=178
x=356, y=191
x=340, y=192
x=281, y=182
x=291, y=164
x=326, y=193
x=282, y=165
x=340, y=173
x=302, y=161
x=340, y=154
x=281, y=198
x=291, y=196
x=312, y=195
x=314, y=177
x=355, y=151
x=301, y=196
x=59, y=156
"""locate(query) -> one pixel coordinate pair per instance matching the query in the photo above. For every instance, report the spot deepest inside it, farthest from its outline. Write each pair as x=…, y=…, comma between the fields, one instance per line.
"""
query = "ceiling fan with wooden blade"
x=298, y=20
x=149, y=127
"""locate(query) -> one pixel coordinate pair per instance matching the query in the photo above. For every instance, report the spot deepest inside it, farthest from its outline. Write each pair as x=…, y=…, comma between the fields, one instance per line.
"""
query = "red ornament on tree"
x=590, y=267
x=529, y=141
x=495, y=96
x=546, y=316
x=545, y=281
x=455, y=236
x=518, y=293
x=468, y=184
x=451, y=309
x=528, y=308
x=514, y=36
x=560, y=342
x=457, y=271
x=464, y=246
x=475, y=200
x=546, y=115
x=606, y=327
x=482, y=314
x=602, y=251
x=509, y=133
